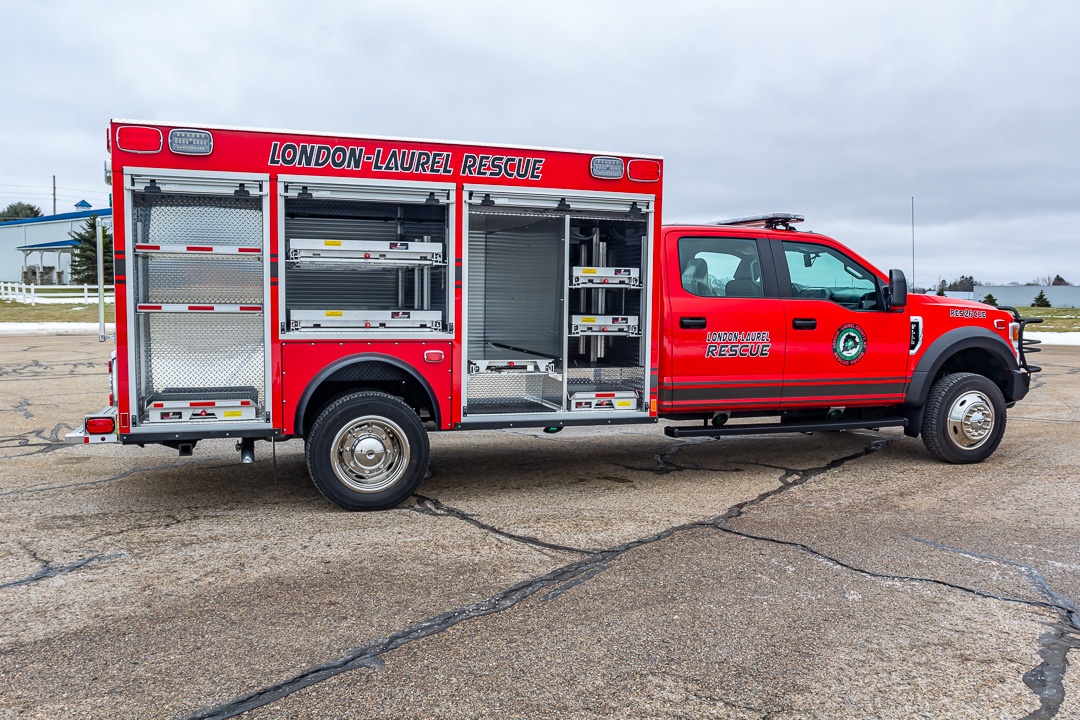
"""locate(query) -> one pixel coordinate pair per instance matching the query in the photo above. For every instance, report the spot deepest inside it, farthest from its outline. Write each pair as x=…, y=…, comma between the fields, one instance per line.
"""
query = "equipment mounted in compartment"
x=307, y=252
x=604, y=325
x=605, y=276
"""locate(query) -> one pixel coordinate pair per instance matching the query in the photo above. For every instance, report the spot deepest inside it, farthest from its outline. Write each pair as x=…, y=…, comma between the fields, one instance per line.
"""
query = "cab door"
x=725, y=326
x=844, y=348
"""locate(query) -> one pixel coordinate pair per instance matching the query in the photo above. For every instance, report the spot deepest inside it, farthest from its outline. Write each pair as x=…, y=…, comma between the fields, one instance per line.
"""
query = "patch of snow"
x=1054, y=338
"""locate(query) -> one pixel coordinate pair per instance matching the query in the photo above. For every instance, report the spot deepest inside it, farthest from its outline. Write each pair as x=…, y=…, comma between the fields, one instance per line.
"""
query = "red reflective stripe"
x=251, y=308
x=148, y=307
x=147, y=247
x=245, y=402
x=599, y=395
x=159, y=405
x=202, y=403
x=200, y=248
x=200, y=307
x=250, y=250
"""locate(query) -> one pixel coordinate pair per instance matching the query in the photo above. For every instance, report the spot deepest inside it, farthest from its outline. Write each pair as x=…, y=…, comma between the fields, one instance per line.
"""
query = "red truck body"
x=359, y=292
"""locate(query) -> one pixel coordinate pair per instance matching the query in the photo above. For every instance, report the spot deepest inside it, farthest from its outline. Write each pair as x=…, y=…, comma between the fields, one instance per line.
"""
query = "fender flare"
x=952, y=342
x=326, y=372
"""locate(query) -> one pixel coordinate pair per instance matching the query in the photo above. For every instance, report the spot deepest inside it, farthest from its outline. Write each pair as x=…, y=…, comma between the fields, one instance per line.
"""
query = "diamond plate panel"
x=617, y=377
x=209, y=279
x=197, y=219
x=507, y=388
x=188, y=351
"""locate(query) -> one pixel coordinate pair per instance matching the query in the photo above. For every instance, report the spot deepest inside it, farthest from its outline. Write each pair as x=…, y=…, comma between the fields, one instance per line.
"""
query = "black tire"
x=367, y=451
x=964, y=419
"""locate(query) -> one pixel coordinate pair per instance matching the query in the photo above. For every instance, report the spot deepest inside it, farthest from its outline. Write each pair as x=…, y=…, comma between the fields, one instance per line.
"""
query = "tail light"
x=100, y=426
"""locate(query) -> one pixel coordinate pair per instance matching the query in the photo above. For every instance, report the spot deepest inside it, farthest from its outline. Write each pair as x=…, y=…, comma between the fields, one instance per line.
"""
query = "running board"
x=677, y=431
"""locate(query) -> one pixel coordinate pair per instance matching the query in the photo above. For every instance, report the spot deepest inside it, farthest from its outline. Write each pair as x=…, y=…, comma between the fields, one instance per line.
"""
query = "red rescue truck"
x=359, y=292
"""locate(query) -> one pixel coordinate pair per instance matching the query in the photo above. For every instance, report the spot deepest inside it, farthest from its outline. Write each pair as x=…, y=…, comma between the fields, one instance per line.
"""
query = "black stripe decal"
x=718, y=394
x=775, y=393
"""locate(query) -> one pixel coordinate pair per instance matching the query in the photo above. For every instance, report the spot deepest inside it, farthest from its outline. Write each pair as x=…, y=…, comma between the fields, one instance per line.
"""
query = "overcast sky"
x=840, y=111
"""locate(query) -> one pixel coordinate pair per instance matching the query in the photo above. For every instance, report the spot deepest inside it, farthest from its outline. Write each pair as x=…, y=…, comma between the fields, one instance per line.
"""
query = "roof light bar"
x=772, y=221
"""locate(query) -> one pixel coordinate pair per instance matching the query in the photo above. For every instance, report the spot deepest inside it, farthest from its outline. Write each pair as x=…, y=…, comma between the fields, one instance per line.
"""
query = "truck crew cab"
x=358, y=292
x=759, y=319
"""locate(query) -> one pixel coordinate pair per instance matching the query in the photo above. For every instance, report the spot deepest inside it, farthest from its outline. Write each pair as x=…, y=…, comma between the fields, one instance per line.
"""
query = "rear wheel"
x=964, y=419
x=367, y=451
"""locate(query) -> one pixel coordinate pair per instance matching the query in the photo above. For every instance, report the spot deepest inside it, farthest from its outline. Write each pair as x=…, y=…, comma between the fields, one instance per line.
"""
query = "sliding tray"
x=365, y=319
x=306, y=252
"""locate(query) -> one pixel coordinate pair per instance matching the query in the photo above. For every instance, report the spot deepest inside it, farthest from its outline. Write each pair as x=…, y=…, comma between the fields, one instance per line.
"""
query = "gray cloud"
x=838, y=110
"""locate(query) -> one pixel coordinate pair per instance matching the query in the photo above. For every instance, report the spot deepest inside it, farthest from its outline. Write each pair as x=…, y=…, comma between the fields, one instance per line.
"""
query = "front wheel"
x=964, y=419
x=367, y=451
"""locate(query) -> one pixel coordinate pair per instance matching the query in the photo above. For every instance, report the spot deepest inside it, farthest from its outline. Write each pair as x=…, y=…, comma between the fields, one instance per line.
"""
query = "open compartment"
x=365, y=261
x=557, y=315
x=198, y=276
x=606, y=325
x=516, y=311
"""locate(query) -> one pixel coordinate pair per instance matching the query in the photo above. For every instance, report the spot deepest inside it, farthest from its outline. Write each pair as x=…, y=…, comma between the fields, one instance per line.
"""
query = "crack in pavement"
x=23, y=407
x=23, y=371
x=434, y=508
x=49, y=570
x=557, y=581
x=1047, y=679
x=126, y=473
x=665, y=466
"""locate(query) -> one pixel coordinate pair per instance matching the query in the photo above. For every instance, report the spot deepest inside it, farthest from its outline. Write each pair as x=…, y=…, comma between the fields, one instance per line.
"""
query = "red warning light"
x=139, y=139
x=643, y=170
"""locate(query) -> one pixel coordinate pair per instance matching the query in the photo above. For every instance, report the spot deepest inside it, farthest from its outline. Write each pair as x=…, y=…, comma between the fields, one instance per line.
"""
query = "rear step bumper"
x=677, y=431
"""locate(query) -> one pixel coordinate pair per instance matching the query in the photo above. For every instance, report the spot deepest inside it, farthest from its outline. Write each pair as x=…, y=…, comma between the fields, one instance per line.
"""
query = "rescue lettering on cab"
x=738, y=344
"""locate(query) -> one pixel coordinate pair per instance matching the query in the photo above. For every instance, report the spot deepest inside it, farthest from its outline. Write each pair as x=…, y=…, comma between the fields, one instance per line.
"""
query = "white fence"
x=52, y=294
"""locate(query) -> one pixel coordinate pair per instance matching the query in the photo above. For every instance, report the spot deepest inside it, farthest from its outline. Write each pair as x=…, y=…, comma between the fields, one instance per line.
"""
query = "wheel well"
x=377, y=375
x=979, y=361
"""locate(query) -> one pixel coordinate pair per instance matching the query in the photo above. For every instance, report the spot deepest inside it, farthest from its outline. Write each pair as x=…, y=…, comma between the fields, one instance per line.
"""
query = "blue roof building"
x=46, y=239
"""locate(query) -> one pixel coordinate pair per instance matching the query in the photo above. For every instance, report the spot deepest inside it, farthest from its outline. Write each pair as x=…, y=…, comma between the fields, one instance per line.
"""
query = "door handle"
x=692, y=323
x=804, y=323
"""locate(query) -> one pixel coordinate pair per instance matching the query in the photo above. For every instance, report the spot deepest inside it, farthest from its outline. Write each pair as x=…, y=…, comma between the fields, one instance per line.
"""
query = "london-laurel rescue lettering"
x=401, y=160
x=737, y=344
x=504, y=166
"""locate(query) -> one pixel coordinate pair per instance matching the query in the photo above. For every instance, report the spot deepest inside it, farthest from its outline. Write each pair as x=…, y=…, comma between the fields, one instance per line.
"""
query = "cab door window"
x=720, y=267
x=822, y=273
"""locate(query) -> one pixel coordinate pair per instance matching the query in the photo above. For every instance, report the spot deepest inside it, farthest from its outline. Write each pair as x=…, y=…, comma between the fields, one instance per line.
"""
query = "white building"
x=42, y=243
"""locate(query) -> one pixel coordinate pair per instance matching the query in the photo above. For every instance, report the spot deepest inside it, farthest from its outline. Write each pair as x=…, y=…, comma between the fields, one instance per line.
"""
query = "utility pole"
x=53, y=194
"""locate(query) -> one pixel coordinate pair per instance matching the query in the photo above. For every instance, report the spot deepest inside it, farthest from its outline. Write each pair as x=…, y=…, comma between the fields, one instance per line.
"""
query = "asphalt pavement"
x=597, y=572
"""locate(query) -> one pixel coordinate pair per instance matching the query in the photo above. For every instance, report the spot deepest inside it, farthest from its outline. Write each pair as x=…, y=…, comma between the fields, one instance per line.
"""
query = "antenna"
x=913, y=241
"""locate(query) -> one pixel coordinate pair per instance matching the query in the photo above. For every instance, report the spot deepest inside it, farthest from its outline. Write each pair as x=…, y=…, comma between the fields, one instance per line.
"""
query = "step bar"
x=677, y=431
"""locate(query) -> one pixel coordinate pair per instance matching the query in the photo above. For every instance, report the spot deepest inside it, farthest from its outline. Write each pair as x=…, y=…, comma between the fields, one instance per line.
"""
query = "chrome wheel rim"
x=971, y=420
x=370, y=454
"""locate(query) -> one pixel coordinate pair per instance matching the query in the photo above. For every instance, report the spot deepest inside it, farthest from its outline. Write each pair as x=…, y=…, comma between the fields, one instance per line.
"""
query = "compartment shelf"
x=581, y=325
x=308, y=252
x=142, y=248
x=196, y=308
x=365, y=320
x=605, y=278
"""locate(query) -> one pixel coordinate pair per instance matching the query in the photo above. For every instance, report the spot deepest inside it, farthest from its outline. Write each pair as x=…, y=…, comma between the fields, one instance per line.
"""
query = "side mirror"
x=897, y=295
